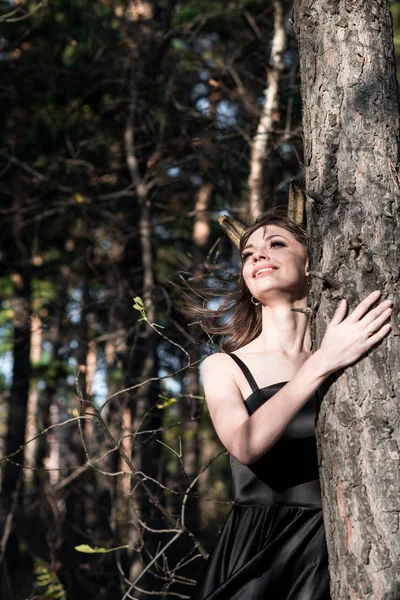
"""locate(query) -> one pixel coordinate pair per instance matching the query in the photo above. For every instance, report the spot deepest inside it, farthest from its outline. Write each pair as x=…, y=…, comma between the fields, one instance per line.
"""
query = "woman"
x=261, y=397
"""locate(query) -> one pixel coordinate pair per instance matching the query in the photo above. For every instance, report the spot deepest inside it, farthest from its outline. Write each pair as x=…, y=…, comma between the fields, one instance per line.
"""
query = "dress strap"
x=246, y=371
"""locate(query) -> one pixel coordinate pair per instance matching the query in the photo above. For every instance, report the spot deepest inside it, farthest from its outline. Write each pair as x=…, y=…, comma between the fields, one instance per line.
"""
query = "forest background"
x=129, y=128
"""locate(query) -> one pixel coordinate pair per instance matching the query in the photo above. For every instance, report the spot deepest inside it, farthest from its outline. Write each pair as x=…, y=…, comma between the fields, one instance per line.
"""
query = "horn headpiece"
x=296, y=203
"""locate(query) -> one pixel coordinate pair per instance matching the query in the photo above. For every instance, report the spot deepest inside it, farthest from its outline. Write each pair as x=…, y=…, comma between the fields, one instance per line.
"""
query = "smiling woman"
x=260, y=393
x=272, y=253
x=235, y=321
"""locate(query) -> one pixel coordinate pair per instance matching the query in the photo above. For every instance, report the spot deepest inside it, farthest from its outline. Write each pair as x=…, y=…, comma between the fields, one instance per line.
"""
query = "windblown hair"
x=237, y=320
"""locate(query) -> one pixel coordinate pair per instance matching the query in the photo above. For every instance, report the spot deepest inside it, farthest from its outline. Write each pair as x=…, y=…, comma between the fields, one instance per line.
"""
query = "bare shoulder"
x=215, y=362
x=218, y=376
x=224, y=399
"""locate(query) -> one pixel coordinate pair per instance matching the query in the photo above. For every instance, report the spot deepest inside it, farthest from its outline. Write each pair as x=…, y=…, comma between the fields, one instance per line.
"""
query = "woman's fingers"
x=364, y=306
x=340, y=312
x=375, y=313
x=379, y=335
x=351, y=337
x=376, y=322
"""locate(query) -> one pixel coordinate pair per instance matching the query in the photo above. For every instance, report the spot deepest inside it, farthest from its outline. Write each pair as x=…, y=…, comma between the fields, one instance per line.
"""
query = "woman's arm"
x=248, y=438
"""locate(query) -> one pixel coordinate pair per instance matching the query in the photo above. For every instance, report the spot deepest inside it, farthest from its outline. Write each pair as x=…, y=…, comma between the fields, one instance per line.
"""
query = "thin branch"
x=147, y=567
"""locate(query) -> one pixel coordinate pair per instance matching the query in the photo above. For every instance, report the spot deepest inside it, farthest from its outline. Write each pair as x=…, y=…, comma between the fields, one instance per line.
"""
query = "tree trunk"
x=269, y=115
x=143, y=361
x=16, y=423
x=190, y=405
x=146, y=451
x=32, y=410
x=47, y=444
x=351, y=132
x=12, y=490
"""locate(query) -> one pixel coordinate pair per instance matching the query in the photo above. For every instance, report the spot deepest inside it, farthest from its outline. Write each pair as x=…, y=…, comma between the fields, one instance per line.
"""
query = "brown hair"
x=237, y=319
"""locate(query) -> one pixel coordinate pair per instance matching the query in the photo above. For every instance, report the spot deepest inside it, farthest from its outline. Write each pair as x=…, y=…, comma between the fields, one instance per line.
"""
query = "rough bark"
x=351, y=134
x=262, y=140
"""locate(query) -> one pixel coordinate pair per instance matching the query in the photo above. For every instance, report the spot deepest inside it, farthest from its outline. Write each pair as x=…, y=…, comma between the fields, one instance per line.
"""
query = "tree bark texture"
x=351, y=135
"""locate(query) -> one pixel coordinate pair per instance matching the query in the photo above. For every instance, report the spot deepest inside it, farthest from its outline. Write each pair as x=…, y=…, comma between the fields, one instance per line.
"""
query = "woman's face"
x=274, y=260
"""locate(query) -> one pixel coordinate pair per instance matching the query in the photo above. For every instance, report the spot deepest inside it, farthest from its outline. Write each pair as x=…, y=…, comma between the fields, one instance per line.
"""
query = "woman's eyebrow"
x=267, y=238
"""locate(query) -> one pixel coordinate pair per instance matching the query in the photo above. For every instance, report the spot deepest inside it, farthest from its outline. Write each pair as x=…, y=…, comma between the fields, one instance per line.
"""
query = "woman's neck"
x=283, y=330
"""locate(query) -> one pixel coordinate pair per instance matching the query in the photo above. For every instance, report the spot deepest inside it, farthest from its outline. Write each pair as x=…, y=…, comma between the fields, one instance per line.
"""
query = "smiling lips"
x=262, y=270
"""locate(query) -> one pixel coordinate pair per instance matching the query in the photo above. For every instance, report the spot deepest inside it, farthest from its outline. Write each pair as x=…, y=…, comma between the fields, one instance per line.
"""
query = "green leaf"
x=97, y=549
x=68, y=55
x=166, y=403
x=139, y=305
x=44, y=579
x=139, y=302
x=89, y=550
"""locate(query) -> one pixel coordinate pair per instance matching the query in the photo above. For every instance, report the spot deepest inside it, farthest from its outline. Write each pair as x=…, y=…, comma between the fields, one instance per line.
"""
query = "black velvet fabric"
x=272, y=546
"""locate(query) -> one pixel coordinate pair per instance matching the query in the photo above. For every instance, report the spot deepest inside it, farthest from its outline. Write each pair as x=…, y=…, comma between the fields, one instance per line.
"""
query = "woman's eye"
x=277, y=243
x=244, y=256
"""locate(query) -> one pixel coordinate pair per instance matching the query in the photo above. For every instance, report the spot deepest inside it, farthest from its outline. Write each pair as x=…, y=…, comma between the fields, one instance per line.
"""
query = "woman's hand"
x=347, y=339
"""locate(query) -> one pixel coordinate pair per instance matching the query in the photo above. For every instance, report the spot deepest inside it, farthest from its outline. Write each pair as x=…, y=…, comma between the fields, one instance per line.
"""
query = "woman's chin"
x=288, y=294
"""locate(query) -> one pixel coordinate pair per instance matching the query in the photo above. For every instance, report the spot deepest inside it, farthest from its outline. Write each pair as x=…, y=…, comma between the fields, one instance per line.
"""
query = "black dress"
x=272, y=546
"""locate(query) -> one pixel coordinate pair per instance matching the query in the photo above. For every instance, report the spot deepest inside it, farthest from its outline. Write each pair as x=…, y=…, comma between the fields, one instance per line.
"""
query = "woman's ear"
x=306, y=268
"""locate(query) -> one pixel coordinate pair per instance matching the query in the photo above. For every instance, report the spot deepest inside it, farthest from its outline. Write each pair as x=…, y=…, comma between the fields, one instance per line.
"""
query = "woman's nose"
x=260, y=254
